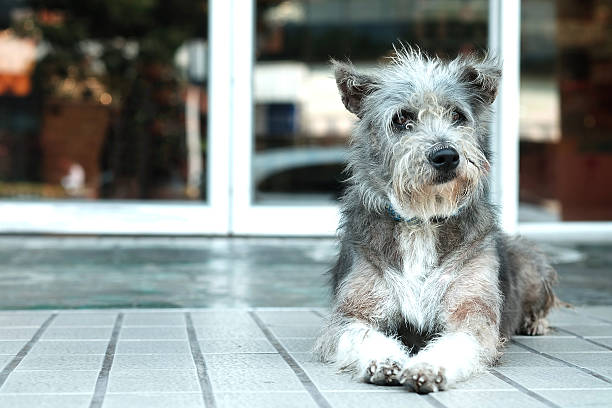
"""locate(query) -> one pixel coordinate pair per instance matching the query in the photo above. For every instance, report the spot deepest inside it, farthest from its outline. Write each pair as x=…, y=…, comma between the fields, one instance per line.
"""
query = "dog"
x=426, y=288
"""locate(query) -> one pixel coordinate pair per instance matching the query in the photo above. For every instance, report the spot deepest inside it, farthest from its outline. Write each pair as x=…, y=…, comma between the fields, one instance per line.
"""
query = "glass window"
x=565, y=121
x=103, y=100
x=301, y=126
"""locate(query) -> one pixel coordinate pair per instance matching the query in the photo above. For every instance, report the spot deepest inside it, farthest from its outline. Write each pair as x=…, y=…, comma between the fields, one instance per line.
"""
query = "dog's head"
x=422, y=142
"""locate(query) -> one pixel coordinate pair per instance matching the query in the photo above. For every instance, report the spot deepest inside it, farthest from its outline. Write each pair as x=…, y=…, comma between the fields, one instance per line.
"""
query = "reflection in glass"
x=103, y=100
x=301, y=126
x=565, y=123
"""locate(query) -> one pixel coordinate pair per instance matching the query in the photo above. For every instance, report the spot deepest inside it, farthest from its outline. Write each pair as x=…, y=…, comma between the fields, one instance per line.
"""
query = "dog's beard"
x=427, y=194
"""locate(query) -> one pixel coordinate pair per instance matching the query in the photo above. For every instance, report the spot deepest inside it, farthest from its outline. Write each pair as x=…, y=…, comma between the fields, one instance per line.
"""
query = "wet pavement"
x=64, y=272
x=250, y=310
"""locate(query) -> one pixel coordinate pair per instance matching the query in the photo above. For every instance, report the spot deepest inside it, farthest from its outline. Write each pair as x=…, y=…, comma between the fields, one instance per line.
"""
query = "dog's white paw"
x=423, y=378
x=383, y=372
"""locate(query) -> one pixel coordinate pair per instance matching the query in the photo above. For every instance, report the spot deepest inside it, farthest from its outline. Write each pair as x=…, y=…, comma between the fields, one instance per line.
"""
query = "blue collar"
x=396, y=217
x=411, y=221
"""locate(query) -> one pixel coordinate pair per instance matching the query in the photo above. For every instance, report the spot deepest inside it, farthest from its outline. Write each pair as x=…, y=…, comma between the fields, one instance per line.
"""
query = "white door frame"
x=152, y=217
x=249, y=218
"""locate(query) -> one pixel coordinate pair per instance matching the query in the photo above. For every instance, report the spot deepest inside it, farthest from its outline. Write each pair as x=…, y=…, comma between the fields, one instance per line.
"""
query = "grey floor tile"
x=45, y=401
x=153, y=333
x=602, y=312
x=50, y=382
x=587, y=360
x=4, y=360
x=145, y=400
x=487, y=399
x=153, y=381
x=298, y=345
x=264, y=400
x=558, y=344
x=360, y=399
x=152, y=347
x=290, y=317
x=483, y=382
x=588, y=330
x=154, y=319
x=561, y=317
x=527, y=360
x=77, y=333
x=20, y=320
x=69, y=347
x=236, y=318
x=513, y=348
x=153, y=361
x=236, y=346
x=254, y=380
x=579, y=398
x=295, y=331
x=84, y=319
x=230, y=362
x=11, y=346
x=18, y=333
x=65, y=362
x=552, y=377
x=231, y=331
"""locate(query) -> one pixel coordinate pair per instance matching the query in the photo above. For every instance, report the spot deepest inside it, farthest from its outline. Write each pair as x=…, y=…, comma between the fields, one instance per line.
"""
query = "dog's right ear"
x=353, y=86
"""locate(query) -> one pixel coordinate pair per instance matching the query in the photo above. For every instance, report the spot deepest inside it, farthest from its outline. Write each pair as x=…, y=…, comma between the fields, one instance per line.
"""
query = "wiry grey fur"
x=431, y=302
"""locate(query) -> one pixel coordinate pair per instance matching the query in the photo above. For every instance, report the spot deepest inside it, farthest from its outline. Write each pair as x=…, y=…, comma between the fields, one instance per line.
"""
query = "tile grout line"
x=523, y=389
x=317, y=313
x=200, y=363
x=102, y=382
x=566, y=363
x=10, y=367
x=584, y=338
x=307, y=383
x=433, y=401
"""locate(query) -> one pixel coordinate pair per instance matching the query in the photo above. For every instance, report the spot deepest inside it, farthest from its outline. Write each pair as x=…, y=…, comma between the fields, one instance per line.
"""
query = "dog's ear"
x=353, y=85
x=482, y=76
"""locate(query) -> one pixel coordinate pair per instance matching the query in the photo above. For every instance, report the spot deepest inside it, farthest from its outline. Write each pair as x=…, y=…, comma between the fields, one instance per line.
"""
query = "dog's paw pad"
x=423, y=378
x=383, y=373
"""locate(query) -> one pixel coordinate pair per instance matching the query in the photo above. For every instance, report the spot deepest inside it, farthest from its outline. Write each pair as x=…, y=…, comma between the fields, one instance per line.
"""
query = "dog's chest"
x=420, y=285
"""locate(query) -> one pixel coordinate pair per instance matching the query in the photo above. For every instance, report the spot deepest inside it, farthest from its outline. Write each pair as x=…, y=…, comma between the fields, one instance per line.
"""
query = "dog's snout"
x=444, y=159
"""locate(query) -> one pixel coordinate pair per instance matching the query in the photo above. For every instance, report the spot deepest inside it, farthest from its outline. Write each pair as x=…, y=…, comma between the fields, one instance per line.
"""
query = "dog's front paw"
x=423, y=378
x=383, y=373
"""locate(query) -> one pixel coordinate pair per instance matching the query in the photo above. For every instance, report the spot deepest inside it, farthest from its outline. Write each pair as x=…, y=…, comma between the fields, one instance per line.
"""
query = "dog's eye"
x=458, y=116
x=404, y=118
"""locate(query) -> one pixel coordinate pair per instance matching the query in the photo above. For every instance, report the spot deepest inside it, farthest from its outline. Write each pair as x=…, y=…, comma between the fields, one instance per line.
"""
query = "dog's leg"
x=359, y=348
x=470, y=340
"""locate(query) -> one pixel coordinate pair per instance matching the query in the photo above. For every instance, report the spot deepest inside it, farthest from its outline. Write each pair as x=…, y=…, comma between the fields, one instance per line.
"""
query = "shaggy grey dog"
x=427, y=288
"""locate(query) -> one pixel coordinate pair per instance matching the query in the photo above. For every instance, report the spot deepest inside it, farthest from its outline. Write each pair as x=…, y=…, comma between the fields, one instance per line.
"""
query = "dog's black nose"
x=444, y=159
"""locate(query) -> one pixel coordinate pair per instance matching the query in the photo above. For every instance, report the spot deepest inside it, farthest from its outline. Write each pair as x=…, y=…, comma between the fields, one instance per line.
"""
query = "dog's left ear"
x=353, y=86
x=482, y=76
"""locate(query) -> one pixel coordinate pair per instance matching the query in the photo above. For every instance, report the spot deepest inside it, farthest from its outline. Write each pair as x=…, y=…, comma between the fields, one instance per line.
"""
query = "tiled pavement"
x=261, y=358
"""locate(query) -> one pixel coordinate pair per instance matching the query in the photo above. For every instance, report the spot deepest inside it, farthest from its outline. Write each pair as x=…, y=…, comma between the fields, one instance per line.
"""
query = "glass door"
x=565, y=126
x=106, y=117
x=290, y=128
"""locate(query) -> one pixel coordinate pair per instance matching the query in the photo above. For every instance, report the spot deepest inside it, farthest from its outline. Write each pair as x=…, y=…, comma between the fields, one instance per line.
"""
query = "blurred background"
x=107, y=107
x=181, y=118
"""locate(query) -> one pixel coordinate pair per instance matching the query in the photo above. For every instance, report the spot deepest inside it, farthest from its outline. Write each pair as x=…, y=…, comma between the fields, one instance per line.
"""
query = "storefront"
x=222, y=118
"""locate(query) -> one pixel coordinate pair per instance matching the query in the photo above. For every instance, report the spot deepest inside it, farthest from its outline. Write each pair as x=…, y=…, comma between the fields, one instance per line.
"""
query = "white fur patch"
x=420, y=286
x=360, y=345
x=457, y=354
